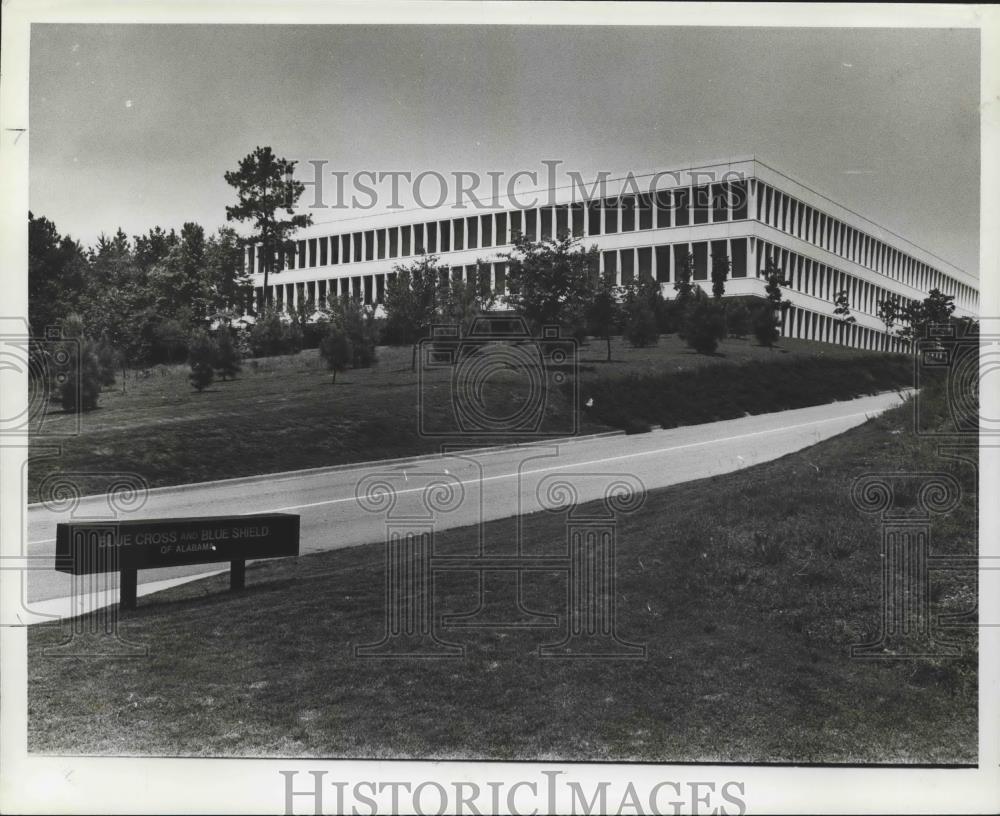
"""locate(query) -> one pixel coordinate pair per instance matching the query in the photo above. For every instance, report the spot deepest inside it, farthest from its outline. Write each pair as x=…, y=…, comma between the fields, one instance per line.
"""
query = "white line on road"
x=567, y=466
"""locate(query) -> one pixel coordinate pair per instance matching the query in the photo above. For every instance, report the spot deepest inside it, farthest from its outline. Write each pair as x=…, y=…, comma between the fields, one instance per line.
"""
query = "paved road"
x=471, y=487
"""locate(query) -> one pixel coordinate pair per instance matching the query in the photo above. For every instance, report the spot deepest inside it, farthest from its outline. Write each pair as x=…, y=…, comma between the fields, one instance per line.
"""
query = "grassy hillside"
x=747, y=589
x=284, y=413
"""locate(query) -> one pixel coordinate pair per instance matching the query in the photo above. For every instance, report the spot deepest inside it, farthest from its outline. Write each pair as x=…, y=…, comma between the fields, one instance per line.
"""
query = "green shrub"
x=202, y=355
x=765, y=325
x=227, y=362
x=274, y=334
x=704, y=322
x=80, y=390
x=737, y=319
x=335, y=349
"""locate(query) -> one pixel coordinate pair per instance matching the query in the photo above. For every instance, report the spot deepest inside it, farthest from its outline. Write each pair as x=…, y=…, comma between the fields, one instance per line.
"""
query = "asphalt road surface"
x=347, y=506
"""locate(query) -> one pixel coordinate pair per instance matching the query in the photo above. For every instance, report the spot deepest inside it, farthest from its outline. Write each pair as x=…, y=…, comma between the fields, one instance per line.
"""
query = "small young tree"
x=357, y=322
x=228, y=362
x=603, y=313
x=843, y=312
x=549, y=281
x=202, y=353
x=705, y=322
x=765, y=325
x=335, y=349
x=107, y=362
x=639, y=313
x=720, y=272
x=737, y=319
x=685, y=273
x=888, y=312
x=412, y=295
x=82, y=385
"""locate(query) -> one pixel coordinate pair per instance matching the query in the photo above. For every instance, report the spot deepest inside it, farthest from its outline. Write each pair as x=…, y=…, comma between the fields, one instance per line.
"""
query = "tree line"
x=126, y=304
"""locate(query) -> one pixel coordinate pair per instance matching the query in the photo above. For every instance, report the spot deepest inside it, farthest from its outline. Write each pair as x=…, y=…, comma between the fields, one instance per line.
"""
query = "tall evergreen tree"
x=266, y=188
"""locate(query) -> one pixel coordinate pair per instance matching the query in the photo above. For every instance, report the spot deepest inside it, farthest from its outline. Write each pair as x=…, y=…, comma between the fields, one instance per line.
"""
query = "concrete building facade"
x=645, y=227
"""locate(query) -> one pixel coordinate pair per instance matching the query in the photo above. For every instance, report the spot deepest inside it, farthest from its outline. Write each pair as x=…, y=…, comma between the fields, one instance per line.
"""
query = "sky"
x=134, y=126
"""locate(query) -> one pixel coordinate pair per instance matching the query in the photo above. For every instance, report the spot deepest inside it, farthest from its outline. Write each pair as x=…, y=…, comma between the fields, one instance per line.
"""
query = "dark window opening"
x=610, y=215
x=681, y=199
x=645, y=212
x=738, y=250
x=593, y=218
x=628, y=215
x=700, y=261
x=720, y=203
x=663, y=263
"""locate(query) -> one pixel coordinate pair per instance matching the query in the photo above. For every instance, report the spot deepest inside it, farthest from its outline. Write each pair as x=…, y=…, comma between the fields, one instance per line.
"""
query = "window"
x=444, y=235
x=546, y=219
x=515, y=224
x=562, y=216
x=611, y=264
x=681, y=200
x=663, y=263
x=700, y=261
x=644, y=261
x=458, y=233
x=738, y=250
x=628, y=215
x=593, y=218
x=628, y=266
x=419, y=244
x=431, y=229
x=472, y=236
x=501, y=238
x=610, y=215
x=702, y=204
x=662, y=199
x=645, y=212
x=720, y=202
x=738, y=199
x=486, y=230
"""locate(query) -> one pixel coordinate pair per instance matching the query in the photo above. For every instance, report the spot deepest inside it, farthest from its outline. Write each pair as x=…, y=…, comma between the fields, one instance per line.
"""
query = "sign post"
x=84, y=548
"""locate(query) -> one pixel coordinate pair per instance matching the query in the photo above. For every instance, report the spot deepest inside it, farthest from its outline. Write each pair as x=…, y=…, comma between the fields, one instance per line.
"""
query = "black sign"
x=88, y=547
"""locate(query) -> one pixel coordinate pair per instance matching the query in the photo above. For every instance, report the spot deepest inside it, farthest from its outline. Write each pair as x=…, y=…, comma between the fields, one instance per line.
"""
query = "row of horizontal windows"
x=822, y=281
x=710, y=203
x=797, y=322
x=781, y=211
x=805, y=324
x=661, y=263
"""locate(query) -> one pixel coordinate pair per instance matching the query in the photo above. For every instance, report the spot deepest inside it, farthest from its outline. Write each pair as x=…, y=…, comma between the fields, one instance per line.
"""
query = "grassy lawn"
x=748, y=590
x=284, y=413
